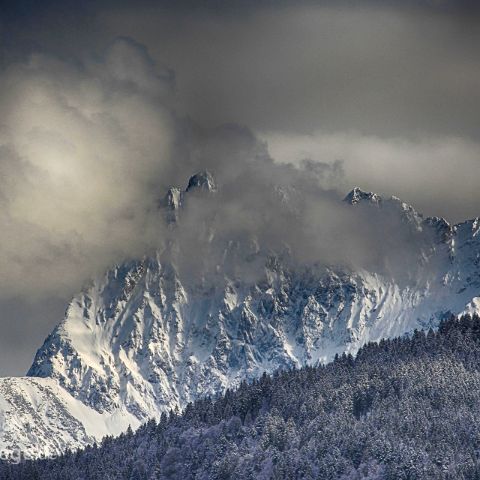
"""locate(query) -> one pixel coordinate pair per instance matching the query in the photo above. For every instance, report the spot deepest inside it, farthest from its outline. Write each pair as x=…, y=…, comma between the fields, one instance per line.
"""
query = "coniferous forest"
x=407, y=408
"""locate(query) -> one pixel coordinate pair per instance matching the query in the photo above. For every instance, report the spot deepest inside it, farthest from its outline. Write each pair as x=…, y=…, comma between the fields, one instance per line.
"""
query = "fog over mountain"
x=104, y=107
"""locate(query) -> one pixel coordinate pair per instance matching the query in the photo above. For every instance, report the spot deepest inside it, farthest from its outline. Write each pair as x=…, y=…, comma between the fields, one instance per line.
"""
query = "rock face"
x=203, y=181
x=144, y=339
x=357, y=195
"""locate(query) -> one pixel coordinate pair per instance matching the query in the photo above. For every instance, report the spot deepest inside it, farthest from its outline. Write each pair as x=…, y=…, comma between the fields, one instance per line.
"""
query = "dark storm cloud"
x=383, y=68
x=328, y=79
x=381, y=71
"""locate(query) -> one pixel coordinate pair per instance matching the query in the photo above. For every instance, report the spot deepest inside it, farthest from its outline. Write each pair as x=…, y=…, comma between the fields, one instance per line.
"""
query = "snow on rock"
x=39, y=418
x=357, y=195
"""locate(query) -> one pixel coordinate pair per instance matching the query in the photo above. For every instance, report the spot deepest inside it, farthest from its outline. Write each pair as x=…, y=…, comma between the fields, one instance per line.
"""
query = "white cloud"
x=82, y=149
x=438, y=175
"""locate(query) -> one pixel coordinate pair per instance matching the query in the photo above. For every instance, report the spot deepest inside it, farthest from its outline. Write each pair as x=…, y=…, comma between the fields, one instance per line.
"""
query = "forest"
x=405, y=408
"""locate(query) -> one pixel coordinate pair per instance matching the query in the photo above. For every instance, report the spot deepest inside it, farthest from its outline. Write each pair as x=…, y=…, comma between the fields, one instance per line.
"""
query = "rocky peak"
x=173, y=198
x=172, y=202
x=443, y=229
x=203, y=181
x=357, y=195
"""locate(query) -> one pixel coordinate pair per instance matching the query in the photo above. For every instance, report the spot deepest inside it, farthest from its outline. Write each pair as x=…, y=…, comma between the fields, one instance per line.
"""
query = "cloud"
x=438, y=175
x=264, y=208
x=82, y=149
x=385, y=69
x=88, y=148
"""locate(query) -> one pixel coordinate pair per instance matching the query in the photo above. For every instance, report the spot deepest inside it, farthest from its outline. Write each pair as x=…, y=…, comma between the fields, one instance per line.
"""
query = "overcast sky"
x=94, y=100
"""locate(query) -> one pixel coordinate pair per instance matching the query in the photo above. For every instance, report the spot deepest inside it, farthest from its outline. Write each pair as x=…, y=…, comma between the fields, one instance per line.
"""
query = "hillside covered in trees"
x=407, y=408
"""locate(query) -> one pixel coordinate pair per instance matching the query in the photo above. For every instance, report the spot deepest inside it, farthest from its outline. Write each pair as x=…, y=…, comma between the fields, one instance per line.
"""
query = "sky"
x=104, y=105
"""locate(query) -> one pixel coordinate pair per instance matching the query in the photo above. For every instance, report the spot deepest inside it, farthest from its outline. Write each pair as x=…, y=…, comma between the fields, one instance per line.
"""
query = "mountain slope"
x=39, y=418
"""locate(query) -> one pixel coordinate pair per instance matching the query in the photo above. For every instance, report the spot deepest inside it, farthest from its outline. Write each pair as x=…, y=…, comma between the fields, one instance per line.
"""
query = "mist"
x=88, y=149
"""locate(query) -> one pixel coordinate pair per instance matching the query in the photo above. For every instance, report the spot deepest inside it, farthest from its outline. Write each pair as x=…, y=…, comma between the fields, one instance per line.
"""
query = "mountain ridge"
x=142, y=339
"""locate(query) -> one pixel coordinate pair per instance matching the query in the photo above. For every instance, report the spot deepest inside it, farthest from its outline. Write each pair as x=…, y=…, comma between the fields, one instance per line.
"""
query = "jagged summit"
x=441, y=229
x=357, y=195
x=392, y=206
x=175, y=197
x=202, y=181
x=172, y=202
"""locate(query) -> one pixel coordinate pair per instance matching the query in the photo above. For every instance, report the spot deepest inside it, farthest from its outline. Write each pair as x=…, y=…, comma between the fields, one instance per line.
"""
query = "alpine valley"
x=146, y=337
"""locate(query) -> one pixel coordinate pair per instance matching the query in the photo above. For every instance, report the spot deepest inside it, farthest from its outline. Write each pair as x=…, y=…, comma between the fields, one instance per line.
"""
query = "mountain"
x=146, y=338
x=406, y=408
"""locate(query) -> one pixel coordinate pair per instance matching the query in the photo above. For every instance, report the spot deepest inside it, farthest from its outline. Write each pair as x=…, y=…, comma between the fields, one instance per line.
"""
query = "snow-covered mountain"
x=144, y=338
